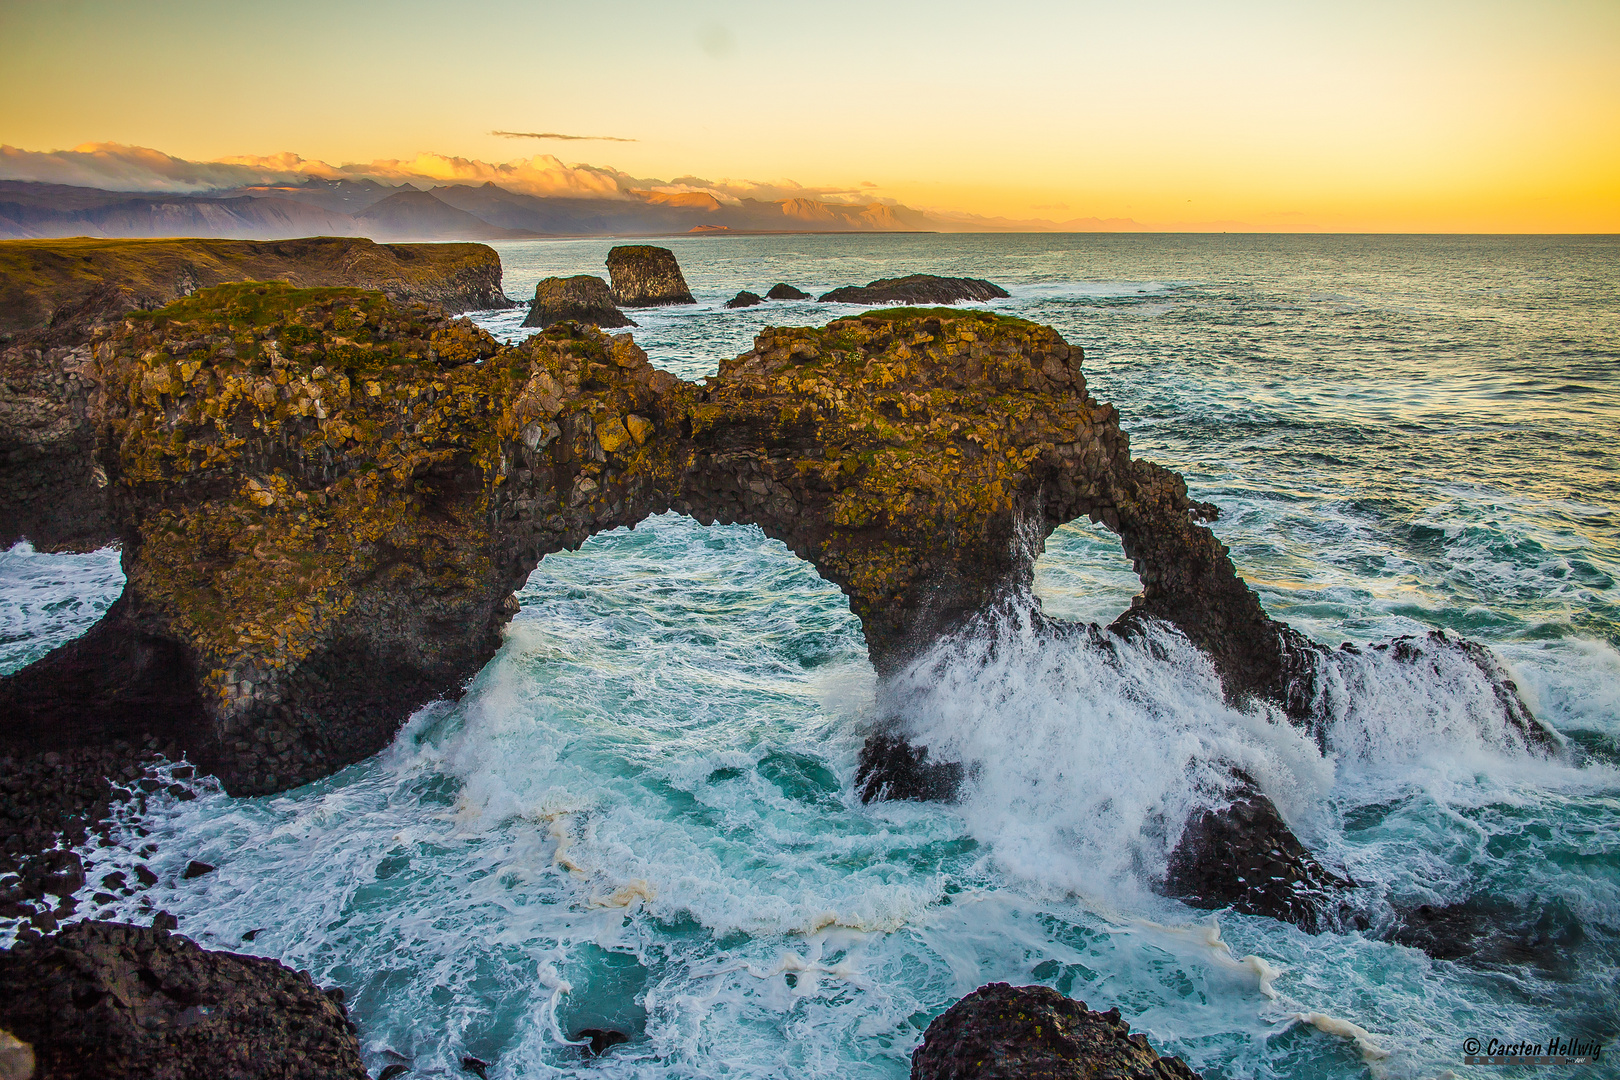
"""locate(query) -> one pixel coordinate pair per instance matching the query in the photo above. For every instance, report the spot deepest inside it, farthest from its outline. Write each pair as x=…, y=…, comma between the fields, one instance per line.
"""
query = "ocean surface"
x=641, y=815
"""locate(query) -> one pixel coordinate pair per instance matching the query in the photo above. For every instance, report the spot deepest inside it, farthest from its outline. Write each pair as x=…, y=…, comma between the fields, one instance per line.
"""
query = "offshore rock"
x=1002, y=1032
x=744, y=299
x=54, y=294
x=916, y=289
x=646, y=276
x=111, y=1000
x=783, y=291
x=583, y=298
x=326, y=501
x=1244, y=856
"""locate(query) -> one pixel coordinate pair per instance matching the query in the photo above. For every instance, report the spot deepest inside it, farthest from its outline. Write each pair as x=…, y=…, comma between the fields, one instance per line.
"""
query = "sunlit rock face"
x=327, y=499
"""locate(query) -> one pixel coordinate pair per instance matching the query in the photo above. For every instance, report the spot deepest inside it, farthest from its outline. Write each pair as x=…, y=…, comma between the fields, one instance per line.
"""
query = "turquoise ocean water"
x=641, y=815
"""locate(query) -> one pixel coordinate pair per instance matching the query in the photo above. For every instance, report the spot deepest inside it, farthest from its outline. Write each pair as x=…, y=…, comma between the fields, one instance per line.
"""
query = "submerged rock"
x=111, y=1000
x=1491, y=932
x=916, y=289
x=582, y=298
x=646, y=276
x=1002, y=1032
x=600, y=1040
x=1244, y=856
x=891, y=768
x=744, y=299
x=783, y=291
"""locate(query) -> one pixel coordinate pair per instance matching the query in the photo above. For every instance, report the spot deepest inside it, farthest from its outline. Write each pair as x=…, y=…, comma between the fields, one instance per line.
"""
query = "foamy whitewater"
x=641, y=815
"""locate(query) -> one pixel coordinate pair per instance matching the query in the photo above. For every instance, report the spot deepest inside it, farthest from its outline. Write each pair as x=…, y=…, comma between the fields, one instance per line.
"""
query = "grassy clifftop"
x=39, y=278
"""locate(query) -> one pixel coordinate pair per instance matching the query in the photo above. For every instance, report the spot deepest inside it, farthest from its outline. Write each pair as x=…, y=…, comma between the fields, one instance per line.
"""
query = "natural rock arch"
x=327, y=500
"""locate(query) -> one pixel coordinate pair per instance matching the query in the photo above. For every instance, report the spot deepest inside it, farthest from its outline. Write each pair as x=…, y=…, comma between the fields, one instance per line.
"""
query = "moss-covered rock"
x=54, y=294
x=326, y=500
x=1002, y=1032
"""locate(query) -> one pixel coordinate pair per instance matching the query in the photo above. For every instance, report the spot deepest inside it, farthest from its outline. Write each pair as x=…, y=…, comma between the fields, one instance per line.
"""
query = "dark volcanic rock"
x=744, y=299
x=110, y=1000
x=646, y=276
x=326, y=502
x=916, y=289
x=1245, y=857
x=1002, y=1032
x=582, y=298
x=51, y=801
x=891, y=768
x=783, y=291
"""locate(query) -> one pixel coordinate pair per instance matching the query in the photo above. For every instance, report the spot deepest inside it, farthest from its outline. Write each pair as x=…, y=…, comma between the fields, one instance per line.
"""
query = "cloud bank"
x=117, y=167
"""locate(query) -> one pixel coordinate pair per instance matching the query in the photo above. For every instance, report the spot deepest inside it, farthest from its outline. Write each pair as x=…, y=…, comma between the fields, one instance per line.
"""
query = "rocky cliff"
x=55, y=294
x=646, y=276
x=326, y=499
x=42, y=281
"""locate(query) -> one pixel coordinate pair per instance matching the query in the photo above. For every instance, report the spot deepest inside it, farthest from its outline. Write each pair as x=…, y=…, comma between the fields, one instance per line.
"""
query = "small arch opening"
x=1083, y=574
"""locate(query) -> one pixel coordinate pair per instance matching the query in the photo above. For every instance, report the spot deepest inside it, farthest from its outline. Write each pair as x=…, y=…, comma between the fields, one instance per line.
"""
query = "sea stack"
x=744, y=299
x=916, y=289
x=783, y=291
x=583, y=298
x=646, y=276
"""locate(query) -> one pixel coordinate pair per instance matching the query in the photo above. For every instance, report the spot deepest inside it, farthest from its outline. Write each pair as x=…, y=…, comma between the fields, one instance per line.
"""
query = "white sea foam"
x=47, y=600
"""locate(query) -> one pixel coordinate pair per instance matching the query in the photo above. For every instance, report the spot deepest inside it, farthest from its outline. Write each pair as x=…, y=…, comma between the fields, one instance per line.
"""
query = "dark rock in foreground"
x=112, y=1000
x=916, y=289
x=744, y=299
x=783, y=291
x=583, y=298
x=1245, y=857
x=1002, y=1032
x=891, y=768
x=646, y=276
x=51, y=802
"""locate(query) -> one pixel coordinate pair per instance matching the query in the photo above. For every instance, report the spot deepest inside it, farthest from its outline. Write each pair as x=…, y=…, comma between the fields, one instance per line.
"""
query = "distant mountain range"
x=448, y=212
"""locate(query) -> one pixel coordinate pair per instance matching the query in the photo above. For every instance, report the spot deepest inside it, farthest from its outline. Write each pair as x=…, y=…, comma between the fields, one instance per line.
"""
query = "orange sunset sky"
x=1417, y=115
